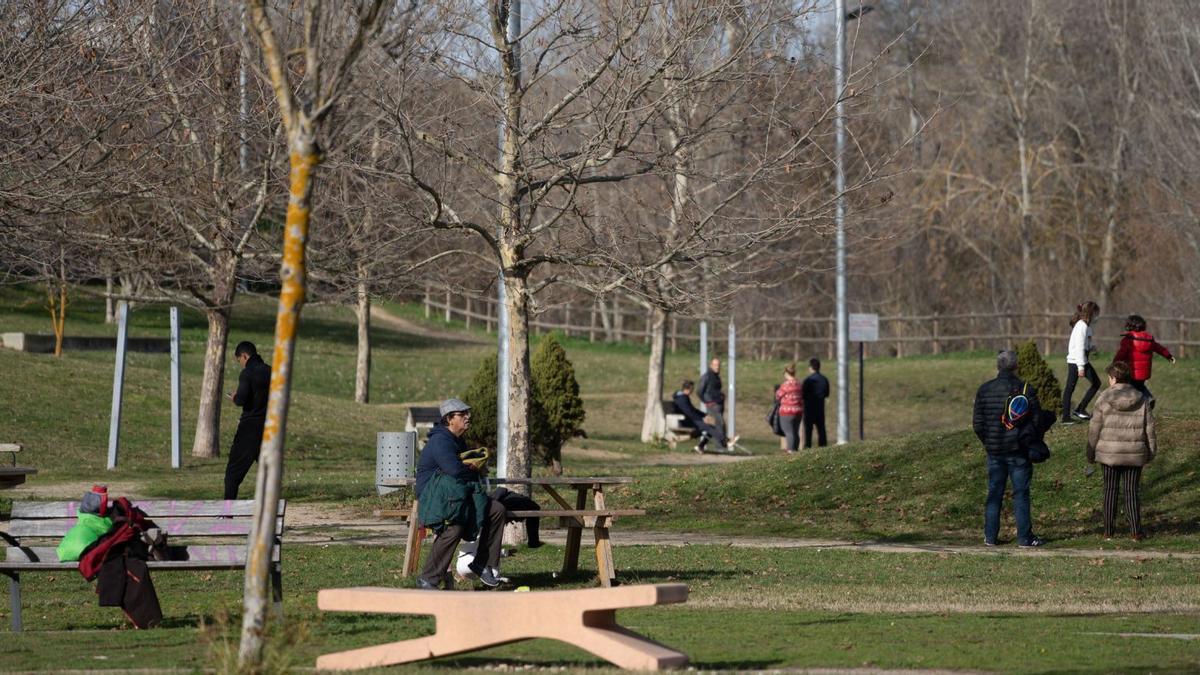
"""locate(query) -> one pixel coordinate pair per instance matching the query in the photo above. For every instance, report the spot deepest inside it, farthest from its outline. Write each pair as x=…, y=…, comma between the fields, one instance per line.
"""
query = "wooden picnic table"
x=573, y=513
x=12, y=476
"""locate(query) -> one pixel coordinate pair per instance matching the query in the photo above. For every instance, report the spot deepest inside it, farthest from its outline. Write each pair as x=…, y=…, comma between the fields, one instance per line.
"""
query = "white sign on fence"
x=864, y=328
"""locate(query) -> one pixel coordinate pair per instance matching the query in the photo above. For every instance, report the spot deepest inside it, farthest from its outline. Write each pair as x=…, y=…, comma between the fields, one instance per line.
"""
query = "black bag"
x=1033, y=436
x=774, y=421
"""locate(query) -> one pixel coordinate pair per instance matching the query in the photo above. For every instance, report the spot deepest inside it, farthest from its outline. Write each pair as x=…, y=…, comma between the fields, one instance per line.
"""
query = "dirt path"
x=405, y=326
x=328, y=524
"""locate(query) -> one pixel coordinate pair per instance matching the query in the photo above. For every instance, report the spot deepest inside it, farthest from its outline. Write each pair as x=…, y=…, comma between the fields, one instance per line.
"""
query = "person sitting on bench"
x=453, y=503
x=683, y=403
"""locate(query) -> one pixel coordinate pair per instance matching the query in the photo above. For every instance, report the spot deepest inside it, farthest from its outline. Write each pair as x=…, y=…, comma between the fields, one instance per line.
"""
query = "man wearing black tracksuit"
x=253, y=387
x=814, y=391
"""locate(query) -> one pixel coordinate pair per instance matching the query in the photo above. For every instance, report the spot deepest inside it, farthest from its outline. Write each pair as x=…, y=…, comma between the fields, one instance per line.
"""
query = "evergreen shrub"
x=1032, y=368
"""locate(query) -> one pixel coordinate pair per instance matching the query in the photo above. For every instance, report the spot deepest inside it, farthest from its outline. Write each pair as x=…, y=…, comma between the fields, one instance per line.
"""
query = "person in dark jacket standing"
x=814, y=390
x=712, y=393
x=441, y=456
x=254, y=385
x=1007, y=456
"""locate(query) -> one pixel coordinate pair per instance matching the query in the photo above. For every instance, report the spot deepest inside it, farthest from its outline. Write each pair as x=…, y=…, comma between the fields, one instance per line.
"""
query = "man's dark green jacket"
x=447, y=500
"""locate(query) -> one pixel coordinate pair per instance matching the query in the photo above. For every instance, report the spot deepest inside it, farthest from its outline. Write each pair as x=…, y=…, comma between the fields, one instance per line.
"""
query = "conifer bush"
x=481, y=396
x=556, y=395
x=556, y=410
x=1033, y=369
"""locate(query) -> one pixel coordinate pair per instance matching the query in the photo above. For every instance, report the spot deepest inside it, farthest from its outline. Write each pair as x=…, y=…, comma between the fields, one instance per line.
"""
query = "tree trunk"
x=303, y=160
x=606, y=323
x=654, y=421
x=56, y=302
x=1026, y=218
x=208, y=417
x=110, y=310
x=362, y=369
x=516, y=303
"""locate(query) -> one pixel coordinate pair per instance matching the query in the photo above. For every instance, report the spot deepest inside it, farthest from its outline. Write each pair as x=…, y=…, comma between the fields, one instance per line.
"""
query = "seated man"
x=453, y=503
x=683, y=403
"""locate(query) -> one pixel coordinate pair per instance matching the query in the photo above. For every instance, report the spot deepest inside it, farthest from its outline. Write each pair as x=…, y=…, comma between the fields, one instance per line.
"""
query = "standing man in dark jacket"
x=814, y=391
x=1007, y=457
x=712, y=393
x=441, y=458
x=254, y=384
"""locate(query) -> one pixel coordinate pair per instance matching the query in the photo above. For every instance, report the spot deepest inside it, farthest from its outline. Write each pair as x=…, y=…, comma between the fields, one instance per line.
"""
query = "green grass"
x=748, y=609
x=918, y=478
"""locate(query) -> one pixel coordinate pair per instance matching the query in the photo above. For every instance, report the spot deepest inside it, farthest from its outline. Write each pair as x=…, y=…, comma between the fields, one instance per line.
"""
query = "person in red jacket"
x=791, y=407
x=1138, y=349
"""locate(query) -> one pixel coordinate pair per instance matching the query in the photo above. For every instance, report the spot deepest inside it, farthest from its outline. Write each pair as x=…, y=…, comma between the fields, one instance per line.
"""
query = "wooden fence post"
x=468, y=313
x=971, y=330
x=899, y=332
x=487, y=313
x=1183, y=335
x=796, y=344
x=674, y=332
x=447, y=306
x=427, y=307
x=592, y=327
x=831, y=352
x=567, y=320
x=1008, y=331
x=937, y=329
x=618, y=319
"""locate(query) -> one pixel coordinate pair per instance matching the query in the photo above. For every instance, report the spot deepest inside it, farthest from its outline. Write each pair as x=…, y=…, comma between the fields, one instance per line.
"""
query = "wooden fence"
x=800, y=338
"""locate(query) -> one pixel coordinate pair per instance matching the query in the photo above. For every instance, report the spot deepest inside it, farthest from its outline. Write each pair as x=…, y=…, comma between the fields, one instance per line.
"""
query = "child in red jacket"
x=1137, y=349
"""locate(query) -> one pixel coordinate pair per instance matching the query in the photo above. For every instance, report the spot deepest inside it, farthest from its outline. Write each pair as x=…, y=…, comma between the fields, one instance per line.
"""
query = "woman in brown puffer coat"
x=1121, y=438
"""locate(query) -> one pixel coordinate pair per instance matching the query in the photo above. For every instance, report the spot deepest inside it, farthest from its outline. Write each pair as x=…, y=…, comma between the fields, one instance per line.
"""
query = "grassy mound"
x=922, y=487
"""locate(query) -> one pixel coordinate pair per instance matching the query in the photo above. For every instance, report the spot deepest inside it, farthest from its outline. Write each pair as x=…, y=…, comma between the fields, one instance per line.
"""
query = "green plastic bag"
x=85, y=533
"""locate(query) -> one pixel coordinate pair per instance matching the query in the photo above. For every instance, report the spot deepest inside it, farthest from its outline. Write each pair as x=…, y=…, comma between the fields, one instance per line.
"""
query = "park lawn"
x=748, y=609
x=922, y=481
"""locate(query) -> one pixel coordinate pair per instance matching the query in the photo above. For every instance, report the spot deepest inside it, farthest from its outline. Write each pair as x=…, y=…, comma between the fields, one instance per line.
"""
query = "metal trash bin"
x=395, y=457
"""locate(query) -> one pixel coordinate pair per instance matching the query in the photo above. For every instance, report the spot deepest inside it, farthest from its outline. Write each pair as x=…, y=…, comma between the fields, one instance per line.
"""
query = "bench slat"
x=45, y=557
x=175, y=527
x=581, y=513
x=155, y=508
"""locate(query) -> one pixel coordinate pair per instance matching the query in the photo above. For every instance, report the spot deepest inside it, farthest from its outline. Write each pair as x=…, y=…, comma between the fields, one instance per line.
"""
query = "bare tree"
x=305, y=101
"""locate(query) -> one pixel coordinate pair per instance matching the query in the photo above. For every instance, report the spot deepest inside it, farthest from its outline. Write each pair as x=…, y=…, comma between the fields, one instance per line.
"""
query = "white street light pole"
x=843, y=333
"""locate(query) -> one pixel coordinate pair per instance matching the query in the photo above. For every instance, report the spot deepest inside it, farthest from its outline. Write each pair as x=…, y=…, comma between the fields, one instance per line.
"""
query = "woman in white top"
x=1077, y=362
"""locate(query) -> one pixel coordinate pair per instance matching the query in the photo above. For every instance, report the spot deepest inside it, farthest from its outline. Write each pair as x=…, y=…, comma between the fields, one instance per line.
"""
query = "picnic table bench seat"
x=201, y=535
x=466, y=622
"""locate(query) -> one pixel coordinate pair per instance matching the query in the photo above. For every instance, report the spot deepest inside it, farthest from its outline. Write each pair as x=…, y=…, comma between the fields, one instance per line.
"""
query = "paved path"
x=327, y=524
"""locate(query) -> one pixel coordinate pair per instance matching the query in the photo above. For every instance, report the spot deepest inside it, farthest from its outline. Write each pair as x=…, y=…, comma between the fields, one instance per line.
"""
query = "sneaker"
x=488, y=577
x=1081, y=415
x=1066, y=421
x=1033, y=542
x=426, y=585
x=698, y=450
x=989, y=543
x=499, y=577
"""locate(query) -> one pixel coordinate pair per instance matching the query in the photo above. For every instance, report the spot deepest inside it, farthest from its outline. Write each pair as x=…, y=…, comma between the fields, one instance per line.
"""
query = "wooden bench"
x=221, y=529
x=470, y=621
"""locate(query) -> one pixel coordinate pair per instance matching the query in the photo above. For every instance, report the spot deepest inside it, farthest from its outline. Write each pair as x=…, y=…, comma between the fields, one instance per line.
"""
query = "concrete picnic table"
x=574, y=514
